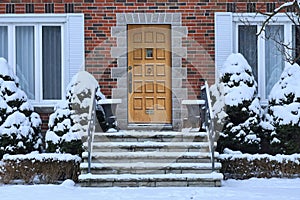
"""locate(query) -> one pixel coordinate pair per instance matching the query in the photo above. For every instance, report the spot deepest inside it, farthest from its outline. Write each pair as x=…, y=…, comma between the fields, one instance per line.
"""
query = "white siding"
x=223, y=39
x=75, y=46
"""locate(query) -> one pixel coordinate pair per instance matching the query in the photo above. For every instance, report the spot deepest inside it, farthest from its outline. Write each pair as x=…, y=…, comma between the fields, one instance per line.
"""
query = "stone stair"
x=150, y=158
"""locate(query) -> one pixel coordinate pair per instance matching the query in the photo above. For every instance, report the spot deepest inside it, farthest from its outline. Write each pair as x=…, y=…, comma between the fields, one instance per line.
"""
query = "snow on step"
x=146, y=156
x=152, y=180
x=134, y=136
x=149, y=155
x=149, y=144
x=135, y=177
x=144, y=134
x=150, y=166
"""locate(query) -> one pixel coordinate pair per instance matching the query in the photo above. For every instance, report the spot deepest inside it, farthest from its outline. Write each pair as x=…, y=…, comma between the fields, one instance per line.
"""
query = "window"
x=25, y=58
x=264, y=53
x=3, y=42
x=45, y=51
x=247, y=41
x=271, y=58
x=274, y=57
x=51, y=48
x=273, y=54
x=296, y=43
x=37, y=57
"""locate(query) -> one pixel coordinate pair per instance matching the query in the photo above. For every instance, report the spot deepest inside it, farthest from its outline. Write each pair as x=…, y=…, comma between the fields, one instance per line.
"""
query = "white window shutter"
x=75, y=35
x=223, y=39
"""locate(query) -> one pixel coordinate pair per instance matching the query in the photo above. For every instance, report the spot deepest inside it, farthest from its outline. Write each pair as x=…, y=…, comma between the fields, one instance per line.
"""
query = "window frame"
x=255, y=19
x=38, y=21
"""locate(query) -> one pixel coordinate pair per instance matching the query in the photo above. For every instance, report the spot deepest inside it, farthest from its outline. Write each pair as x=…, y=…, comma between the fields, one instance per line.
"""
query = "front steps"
x=152, y=159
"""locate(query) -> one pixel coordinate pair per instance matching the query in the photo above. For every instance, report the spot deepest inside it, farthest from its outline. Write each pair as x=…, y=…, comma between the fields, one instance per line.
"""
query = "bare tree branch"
x=276, y=11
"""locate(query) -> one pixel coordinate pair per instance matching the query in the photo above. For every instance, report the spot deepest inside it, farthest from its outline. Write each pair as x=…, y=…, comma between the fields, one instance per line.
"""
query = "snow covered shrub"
x=20, y=126
x=284, y=111
x=70, y=120
x=61, y=125
x=237, y=106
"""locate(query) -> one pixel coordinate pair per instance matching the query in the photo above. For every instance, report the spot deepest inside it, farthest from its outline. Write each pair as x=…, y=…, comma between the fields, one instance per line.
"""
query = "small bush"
x=46, y=168
x=245, y=166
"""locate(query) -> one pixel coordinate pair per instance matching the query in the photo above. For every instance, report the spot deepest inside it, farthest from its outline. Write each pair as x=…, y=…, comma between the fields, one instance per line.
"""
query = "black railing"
x=91, y=128
x=207, y=119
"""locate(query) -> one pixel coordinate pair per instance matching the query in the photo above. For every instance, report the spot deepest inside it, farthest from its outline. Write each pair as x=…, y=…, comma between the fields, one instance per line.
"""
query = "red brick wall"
x=197, y=15
x=100, y=16
x=45, y=119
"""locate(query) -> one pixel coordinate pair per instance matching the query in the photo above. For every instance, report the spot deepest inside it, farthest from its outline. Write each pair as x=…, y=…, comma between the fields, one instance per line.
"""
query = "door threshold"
x=155, y=127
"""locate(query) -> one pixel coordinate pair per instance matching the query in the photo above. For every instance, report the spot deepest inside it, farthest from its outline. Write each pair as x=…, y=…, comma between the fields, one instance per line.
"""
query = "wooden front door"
x=149, y=74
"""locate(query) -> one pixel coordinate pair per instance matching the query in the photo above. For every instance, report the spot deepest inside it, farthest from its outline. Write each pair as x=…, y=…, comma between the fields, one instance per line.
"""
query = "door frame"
x=178, y=73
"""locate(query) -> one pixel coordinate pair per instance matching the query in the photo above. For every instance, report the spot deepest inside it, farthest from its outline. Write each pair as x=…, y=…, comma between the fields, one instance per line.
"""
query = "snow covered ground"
x=254, y=189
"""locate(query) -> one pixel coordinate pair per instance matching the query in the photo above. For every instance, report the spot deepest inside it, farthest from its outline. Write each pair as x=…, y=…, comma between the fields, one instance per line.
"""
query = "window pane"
x=248, y=45
x=3, y=42
x=296, y=44
x=274, y=55
x=25, y=58
x=51, y=62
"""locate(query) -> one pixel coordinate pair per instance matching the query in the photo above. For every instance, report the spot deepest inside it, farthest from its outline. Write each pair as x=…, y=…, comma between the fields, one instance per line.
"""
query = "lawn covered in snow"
x=264, y=189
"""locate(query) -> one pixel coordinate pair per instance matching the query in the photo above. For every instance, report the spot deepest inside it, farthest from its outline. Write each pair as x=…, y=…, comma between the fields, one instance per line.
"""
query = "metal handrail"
x=209, y=121
x=91, y=128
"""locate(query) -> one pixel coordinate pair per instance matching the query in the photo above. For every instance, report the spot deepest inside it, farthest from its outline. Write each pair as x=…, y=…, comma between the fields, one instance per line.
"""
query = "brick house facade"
x=193, y=44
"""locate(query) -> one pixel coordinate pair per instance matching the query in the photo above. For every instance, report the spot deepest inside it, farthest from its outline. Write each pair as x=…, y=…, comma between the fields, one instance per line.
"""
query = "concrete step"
x=152, y=180
x=149, y=168
x=163, y=157
x=138, y=136
x=150, y=146
x=150, y=158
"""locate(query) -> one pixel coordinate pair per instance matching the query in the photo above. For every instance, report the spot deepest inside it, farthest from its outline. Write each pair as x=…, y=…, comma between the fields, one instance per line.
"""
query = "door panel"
x=149, y=74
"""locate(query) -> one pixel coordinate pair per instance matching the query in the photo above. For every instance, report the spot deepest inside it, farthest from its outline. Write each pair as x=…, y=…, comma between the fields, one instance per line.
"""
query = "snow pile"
x=68, y=183
x=69, y=122
x=19, y=124
x=237, y=106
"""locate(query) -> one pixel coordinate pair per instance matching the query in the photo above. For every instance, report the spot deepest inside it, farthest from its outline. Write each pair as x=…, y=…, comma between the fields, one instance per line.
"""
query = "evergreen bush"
x=20, y=126
x=237, y=107
x=69, y=122
x=284, y=112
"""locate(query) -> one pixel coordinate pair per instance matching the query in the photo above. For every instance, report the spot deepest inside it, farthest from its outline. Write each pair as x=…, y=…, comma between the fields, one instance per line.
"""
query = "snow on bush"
x=284, y=111
x=237, y=106
x=70, y=120
x=19, y=124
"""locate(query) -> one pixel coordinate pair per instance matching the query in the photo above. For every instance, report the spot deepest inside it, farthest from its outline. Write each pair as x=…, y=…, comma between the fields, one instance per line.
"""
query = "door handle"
x=129, y=82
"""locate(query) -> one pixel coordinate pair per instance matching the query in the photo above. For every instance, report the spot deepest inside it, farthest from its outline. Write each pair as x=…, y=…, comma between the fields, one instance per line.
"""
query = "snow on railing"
x=209, y=121
x=91, y=128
